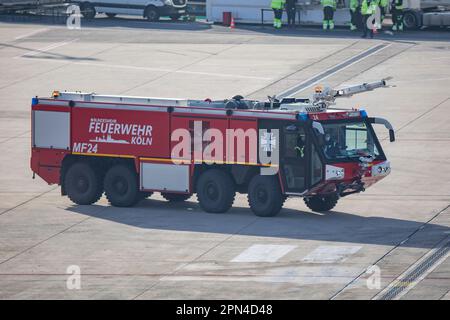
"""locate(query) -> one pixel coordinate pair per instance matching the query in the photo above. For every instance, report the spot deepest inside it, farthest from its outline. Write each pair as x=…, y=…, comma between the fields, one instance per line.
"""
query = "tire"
x=121, y=186
x=215, y=191
x=411, y=20
x=322, y=203
x=82, y=184
x=175, y=17
x=110, y=15
x=152, y=14
x=175, y=197
x=88, y=10
x=264, y=196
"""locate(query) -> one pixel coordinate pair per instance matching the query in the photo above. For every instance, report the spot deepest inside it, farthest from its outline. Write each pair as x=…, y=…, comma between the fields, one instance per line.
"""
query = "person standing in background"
x=291, y=10
x=277, y=7
x=329, y=6
x=354, y=8
x=368, y=8
x=397, y=15
x=383, y=8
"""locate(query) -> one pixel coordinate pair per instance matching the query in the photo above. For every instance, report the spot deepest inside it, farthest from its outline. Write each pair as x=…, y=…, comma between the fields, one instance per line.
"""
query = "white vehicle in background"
x=426, y=13
x=152, y=10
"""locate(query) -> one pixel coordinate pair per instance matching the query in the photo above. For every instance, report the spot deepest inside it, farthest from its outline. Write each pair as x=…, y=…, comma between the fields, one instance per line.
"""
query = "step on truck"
x=129, y=147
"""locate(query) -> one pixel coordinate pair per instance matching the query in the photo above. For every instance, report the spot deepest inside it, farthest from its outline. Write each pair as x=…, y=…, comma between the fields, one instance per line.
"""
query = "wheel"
x=121, y=186
x=322, y=203
x=83, y=185
x=152, y=14
x=175, y=17
x=215, y=191
x=411, y=20
x=88, y=10
x=264, y=196
x=110, y=15
x=175, y=197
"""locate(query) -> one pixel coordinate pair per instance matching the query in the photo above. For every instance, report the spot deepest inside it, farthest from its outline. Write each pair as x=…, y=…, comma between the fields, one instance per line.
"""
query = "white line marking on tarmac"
x=45, y=49
x=331, y=254
x=302, y=275
x=406, y=285
x=31, y=34
x=139, y=68
x=339, y=69
x=225, y=75
x=263, y=253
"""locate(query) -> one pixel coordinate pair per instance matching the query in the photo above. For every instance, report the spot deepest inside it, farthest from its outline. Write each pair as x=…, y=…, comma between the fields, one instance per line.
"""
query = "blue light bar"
x=302, y=116
x=34, y=101
x=363, y=113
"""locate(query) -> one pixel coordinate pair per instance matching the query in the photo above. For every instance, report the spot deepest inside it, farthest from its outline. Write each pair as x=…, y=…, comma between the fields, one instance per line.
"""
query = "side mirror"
x=391, y=135
x=387, y=124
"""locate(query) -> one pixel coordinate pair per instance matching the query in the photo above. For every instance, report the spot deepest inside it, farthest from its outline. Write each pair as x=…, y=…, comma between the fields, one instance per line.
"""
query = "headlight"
x=383, y=168
x=334, y=173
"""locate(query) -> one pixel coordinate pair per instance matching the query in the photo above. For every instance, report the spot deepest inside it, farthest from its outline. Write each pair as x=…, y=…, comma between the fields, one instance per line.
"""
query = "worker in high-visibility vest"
x=329, y=6
x=368, y=7
x=397, y=15
x=277, y=7
x=383, y=7
x=354, y=8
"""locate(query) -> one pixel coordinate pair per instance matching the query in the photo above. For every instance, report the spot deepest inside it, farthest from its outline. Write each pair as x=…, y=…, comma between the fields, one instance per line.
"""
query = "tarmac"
x=390, y=242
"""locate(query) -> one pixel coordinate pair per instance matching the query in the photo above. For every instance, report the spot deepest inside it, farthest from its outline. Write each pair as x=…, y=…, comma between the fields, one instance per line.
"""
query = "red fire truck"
x=129, y=147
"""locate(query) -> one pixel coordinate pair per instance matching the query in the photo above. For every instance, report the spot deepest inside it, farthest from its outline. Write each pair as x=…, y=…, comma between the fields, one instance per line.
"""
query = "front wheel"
x=215, y=191
x=411, y=20
x=264, y=196
x=121, y=186
x=321, y=203
x=152, y=14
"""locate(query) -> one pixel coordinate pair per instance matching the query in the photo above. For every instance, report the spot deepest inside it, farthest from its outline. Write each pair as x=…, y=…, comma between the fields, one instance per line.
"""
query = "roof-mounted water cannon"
x=326, y=96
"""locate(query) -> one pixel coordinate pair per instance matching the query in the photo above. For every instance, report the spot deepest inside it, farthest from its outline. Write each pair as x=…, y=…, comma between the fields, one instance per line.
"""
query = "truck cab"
x=152, y=10
x=328, y=155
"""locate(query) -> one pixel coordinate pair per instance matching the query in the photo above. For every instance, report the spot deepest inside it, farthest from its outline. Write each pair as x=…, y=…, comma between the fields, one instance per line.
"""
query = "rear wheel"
x=82, y=184
x=215, y=191
x=152, y=14
x=121, y=186
x=175, y=197
x=322, y=203
x=88, y=10
x=264, y=196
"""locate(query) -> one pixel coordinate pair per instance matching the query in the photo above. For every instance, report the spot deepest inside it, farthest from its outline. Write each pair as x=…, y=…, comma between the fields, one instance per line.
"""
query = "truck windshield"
x=347, y=140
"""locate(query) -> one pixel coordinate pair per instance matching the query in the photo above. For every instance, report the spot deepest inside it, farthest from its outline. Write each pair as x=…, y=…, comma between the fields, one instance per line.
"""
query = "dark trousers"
x=291, y=12
x=353, y=17
x=382, y=12
x=358, y=18
x=278, y=13
x=366, y=30
x=328, y=13
x=397, y=17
